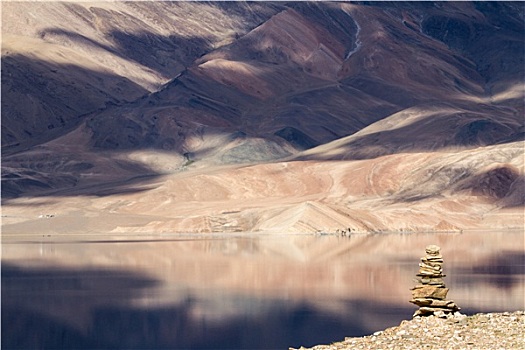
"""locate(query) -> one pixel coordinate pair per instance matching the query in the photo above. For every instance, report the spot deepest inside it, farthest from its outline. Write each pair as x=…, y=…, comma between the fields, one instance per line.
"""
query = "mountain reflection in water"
x=242, y=292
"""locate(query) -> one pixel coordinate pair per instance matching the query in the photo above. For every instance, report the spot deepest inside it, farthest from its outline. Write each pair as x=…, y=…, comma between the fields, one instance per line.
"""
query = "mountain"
x=67, y=59
x=258, y=116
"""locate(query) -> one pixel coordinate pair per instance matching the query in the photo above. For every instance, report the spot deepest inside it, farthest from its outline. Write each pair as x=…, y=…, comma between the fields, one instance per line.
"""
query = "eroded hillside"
x=61, y=60
x=289, y=117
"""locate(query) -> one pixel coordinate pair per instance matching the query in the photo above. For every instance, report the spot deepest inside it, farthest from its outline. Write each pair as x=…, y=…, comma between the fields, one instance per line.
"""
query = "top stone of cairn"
x=433, y=253
x=432, y=249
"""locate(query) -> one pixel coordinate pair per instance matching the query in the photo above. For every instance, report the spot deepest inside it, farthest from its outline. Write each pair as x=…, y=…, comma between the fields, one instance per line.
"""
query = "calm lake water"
x=238, y=292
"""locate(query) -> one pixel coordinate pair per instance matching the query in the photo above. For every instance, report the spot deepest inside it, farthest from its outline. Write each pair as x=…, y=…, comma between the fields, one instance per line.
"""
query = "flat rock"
x=429, y=291
x=434, y=258
x=431, y=280
x=434, y=303
x=427, y=310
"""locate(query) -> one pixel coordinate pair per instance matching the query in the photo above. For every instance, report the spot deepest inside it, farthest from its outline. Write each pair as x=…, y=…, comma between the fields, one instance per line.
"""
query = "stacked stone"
x=430, y=293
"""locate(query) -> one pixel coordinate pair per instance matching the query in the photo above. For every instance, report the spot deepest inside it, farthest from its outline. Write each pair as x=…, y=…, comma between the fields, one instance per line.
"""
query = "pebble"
x=479, y=332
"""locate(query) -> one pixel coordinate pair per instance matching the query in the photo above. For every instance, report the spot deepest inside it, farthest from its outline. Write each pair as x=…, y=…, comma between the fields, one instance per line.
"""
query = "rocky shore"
x=482, y=331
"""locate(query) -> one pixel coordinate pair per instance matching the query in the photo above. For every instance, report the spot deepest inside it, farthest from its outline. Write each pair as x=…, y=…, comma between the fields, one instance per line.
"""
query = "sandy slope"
x=470, y=189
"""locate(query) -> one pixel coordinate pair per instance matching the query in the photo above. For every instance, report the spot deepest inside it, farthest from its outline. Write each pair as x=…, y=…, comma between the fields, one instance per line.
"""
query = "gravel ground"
x=481, y=332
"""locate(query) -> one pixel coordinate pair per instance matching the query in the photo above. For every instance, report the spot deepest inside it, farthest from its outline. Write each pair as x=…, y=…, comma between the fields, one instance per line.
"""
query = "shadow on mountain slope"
x=166, y=55
x=43, y=100
x=109, y=57
x=446, y=130
x=496, y=44
x=502, y=185
x=72, y=176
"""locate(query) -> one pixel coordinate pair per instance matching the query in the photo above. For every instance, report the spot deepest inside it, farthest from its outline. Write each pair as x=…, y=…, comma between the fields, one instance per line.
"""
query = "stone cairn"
x=430, y=293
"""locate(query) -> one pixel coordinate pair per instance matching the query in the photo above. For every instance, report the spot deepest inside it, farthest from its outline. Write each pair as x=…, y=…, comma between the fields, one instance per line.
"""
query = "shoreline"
x=481, y=331
x=92, y=237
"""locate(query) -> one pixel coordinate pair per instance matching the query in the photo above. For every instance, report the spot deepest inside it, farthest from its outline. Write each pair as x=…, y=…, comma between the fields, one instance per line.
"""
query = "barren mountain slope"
x=61, y=60
x=317, y=72
x=395, y=116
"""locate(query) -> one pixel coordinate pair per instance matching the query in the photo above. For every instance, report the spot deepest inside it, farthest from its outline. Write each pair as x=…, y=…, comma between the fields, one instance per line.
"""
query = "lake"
x=241, y=291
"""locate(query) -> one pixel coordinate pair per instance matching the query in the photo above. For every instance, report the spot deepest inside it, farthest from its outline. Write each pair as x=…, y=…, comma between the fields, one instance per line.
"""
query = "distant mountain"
x=62, y=60
x=138, y=98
